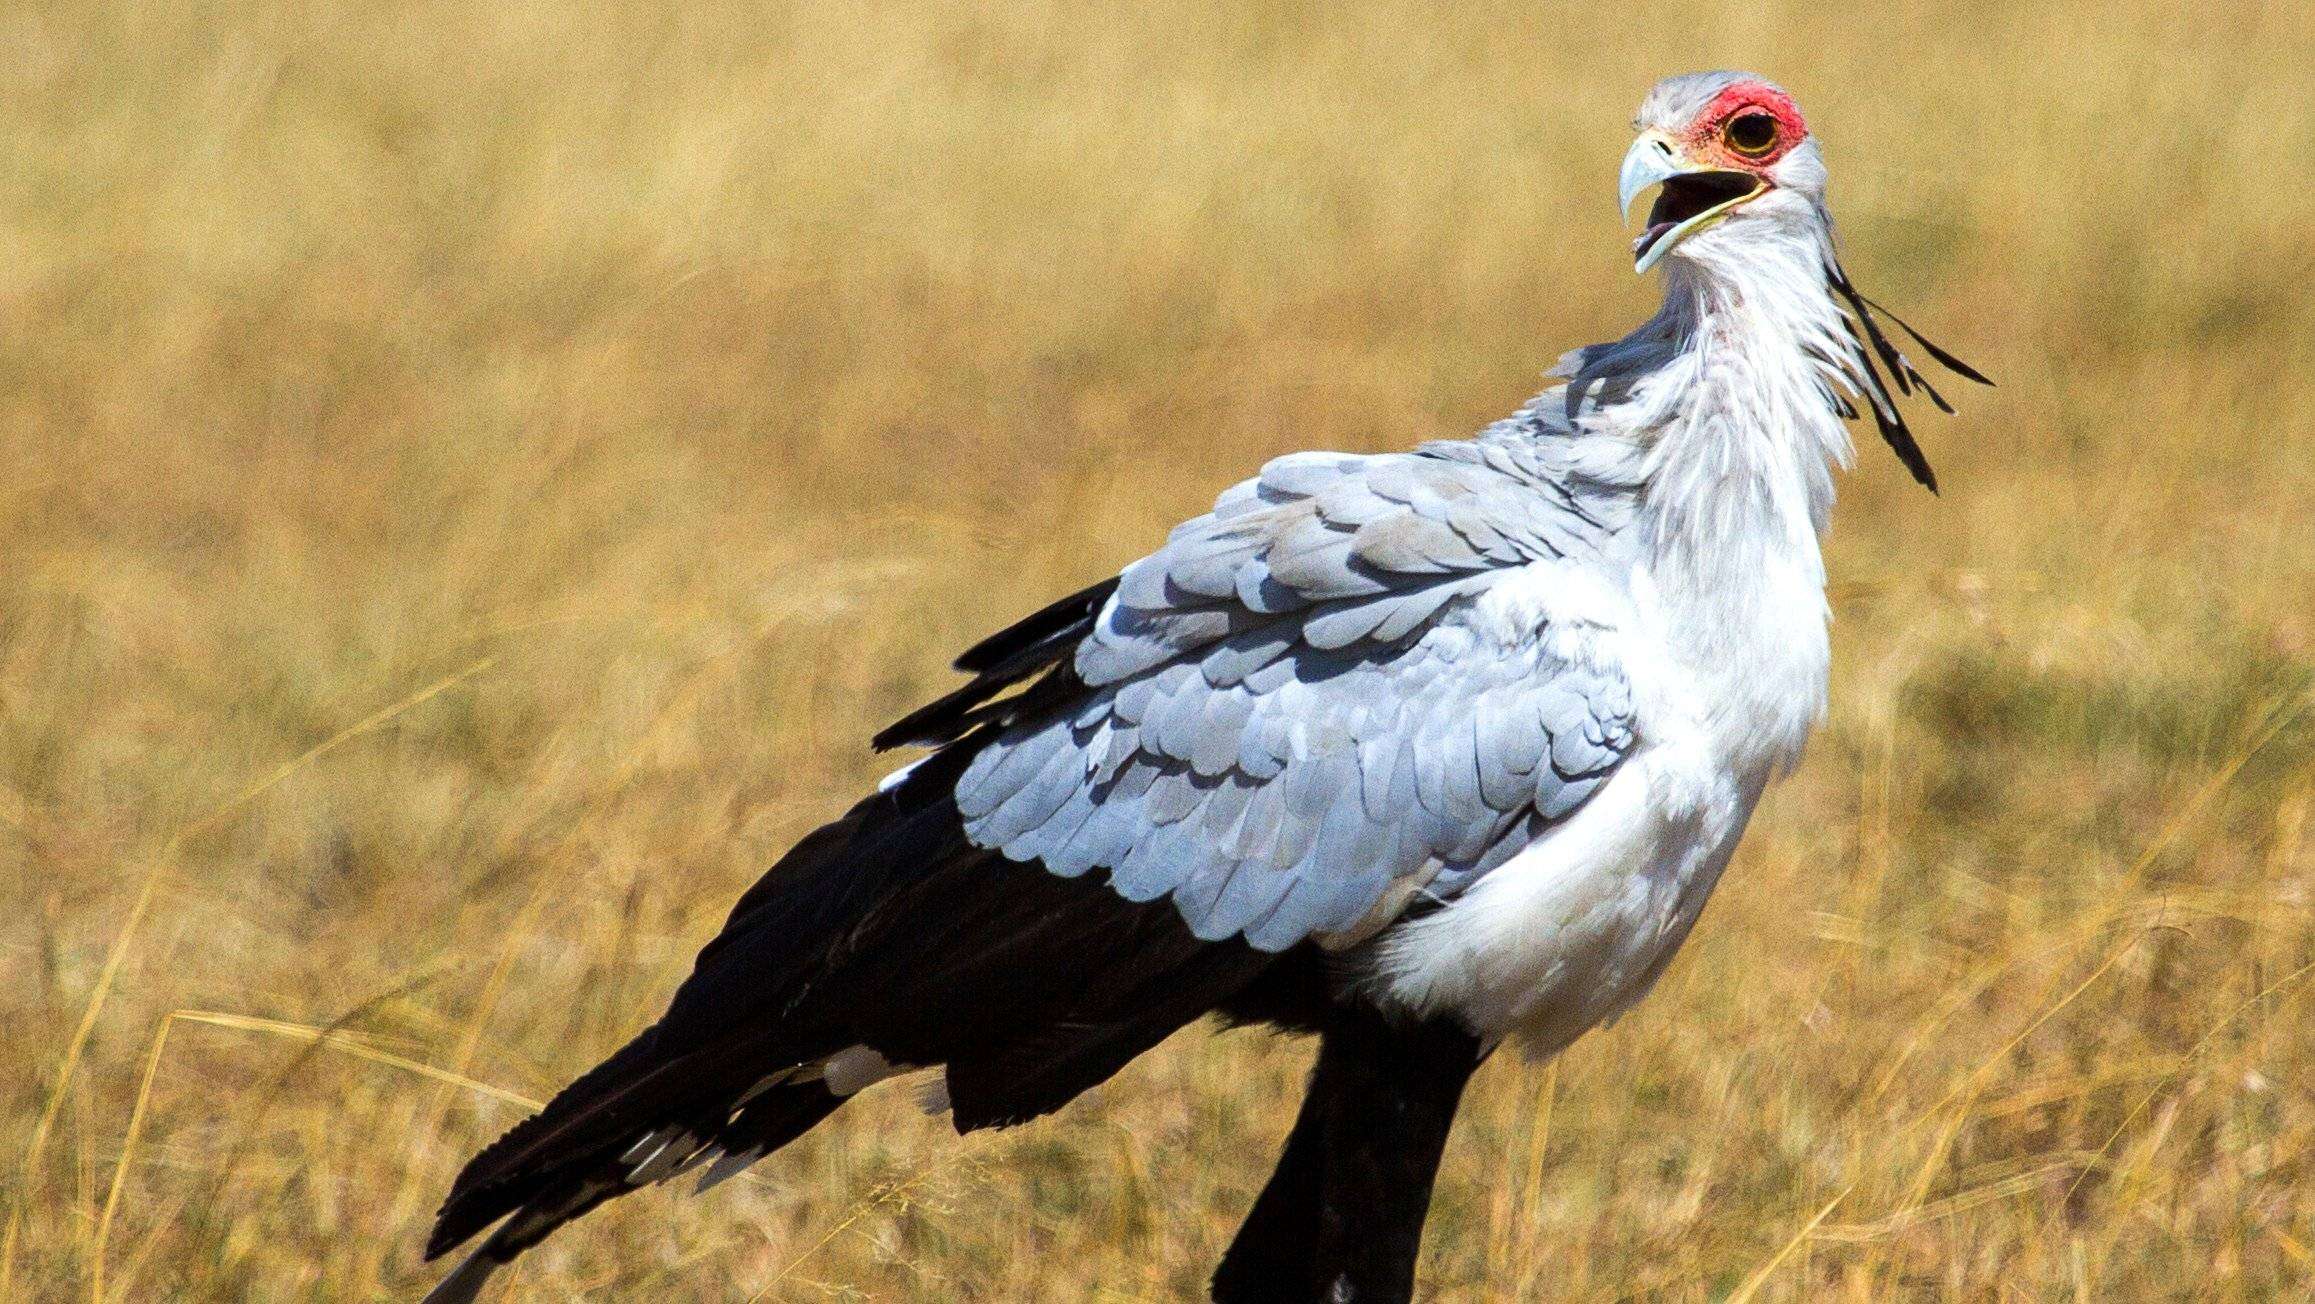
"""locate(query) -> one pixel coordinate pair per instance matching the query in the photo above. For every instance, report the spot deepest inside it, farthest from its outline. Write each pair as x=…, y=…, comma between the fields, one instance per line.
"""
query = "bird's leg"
x=1389, y=1095
x=1274, y=1254
x=1341, y=1220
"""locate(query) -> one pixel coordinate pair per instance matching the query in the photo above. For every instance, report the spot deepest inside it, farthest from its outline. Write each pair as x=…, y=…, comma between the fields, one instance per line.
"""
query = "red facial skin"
x=1703, y=139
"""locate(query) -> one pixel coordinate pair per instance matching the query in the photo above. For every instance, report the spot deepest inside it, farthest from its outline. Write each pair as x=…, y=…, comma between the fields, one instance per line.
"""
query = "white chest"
x=1728, y=676
x=1745, y=653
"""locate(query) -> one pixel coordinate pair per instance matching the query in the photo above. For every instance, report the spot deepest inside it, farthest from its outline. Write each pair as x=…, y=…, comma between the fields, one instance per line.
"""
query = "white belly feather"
x=1575, y=928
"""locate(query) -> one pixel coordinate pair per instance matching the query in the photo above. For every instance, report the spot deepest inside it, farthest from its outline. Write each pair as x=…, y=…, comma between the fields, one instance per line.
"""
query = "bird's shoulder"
x=1344, y=549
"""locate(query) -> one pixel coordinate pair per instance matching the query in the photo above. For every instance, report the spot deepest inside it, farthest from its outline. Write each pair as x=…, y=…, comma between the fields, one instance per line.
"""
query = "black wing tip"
x=1037, y=642
x=914, y=729
x=1054, y=618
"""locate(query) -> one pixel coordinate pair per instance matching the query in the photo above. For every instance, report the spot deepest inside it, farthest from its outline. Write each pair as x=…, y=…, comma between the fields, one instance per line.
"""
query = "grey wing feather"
x=1289, y=709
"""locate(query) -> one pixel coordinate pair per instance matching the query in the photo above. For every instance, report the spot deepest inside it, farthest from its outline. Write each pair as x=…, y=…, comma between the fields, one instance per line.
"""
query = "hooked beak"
x=1693, y=197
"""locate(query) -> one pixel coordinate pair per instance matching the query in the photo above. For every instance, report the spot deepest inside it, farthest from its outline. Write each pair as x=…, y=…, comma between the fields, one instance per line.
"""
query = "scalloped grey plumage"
x=1293, y=722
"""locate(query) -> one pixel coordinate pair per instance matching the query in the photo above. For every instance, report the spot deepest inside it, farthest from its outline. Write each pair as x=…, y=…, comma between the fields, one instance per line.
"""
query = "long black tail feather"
x=548, y=1199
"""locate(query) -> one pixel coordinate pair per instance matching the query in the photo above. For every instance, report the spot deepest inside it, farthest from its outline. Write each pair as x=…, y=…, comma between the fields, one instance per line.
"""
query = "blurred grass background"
x=471, y=477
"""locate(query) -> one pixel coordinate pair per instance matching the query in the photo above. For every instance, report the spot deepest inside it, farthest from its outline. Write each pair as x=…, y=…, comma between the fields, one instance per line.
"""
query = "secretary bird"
x=1415, y=751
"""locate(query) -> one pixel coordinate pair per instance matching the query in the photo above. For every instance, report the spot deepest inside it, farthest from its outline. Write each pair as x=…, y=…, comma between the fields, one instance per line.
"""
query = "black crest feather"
x=1873, y=344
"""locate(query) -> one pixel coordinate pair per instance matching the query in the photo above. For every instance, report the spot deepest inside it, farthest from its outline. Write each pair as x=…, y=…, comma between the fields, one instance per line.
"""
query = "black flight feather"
x=1054, y=621
x=1042, y=641
x=885, y=928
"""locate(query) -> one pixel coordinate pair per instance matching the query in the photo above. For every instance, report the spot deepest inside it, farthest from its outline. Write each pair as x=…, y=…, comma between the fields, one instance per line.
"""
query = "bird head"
x=1731, y=155
x=1739, y=175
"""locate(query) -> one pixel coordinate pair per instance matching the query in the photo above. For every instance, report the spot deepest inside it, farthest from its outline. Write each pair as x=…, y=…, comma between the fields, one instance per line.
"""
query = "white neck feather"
x=1742, y=438
x=1742, y=420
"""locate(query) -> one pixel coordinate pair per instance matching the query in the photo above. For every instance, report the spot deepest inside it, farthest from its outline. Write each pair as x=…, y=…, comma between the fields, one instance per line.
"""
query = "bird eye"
x=1750, y=134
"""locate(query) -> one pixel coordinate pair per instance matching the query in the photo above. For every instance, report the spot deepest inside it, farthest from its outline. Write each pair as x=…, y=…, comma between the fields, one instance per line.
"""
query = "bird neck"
x=1741, y=437
x=1739, y=420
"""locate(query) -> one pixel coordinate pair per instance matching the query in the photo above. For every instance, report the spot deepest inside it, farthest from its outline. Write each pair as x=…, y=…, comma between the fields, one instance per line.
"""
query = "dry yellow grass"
x=471, y=476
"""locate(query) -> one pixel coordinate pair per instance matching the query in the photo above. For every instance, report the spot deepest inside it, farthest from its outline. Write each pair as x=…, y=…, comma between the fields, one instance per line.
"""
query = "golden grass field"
x=473, y=476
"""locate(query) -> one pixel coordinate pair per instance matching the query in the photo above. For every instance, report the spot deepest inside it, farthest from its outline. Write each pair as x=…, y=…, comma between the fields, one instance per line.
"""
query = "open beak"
x=1693, y=197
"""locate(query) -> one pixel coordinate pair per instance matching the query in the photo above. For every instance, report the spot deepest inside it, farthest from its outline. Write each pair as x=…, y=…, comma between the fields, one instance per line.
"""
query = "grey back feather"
x=1291, y=721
